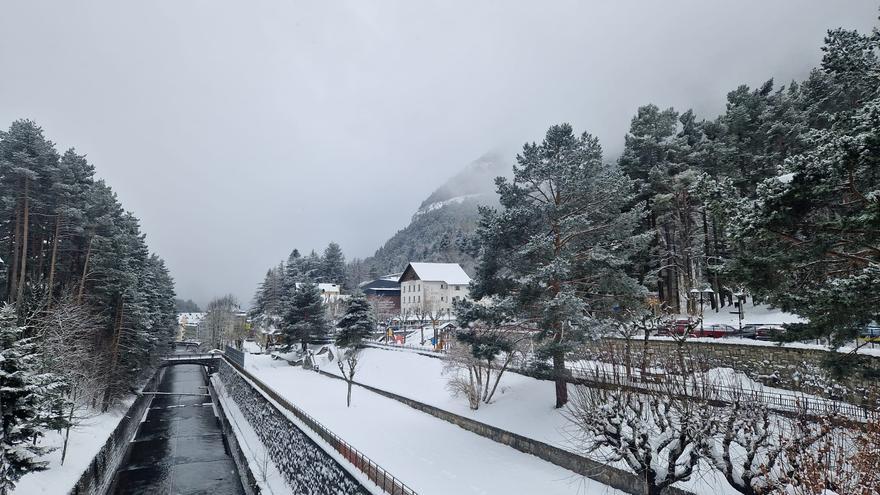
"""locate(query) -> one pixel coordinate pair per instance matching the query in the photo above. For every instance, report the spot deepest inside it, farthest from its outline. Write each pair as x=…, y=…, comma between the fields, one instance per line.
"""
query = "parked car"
x=715, y=330
x=871, y=332
x=768, y=332
x=676, y=327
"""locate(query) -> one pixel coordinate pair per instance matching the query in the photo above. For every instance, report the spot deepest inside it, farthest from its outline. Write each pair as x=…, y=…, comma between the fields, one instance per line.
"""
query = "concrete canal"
x=179, y=449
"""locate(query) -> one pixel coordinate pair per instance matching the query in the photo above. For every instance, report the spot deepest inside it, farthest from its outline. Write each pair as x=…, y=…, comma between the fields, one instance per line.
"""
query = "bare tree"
x=475, y=369
x=656, y=431
x=69, y=333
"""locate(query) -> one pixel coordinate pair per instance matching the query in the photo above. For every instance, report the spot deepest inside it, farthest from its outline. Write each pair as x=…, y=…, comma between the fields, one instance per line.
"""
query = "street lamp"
x=705, y=290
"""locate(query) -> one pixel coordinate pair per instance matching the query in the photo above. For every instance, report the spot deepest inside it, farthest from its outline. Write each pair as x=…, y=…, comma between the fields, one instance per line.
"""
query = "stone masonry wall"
x=307, y=468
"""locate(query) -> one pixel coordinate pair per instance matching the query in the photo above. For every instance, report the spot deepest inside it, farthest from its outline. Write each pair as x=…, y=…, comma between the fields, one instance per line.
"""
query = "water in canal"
x=179, y=449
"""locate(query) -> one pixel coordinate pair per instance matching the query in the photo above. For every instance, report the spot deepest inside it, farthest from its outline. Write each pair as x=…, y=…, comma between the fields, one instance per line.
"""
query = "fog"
x=239, y=130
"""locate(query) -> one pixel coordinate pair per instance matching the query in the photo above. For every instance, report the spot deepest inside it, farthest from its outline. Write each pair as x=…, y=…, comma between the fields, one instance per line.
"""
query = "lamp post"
x=705, y=290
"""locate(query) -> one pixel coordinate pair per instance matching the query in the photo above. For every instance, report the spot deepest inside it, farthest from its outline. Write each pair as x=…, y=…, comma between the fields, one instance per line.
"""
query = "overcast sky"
x=237, y=130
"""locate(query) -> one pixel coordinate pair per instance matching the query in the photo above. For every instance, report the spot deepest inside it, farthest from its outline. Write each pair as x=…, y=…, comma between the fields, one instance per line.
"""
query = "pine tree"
x=354, y=328
x=20, y=415
x=333, y=265
x=357, y=324
x=305, y=320
x=555, y=256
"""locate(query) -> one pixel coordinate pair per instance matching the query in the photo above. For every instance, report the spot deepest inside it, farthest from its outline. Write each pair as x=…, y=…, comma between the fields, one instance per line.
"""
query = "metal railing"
x=374, y=472
x=191, y=357
x=405, y=347
x=776, y=401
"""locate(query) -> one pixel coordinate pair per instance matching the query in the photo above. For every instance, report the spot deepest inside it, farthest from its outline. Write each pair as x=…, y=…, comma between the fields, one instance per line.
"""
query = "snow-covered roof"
x=190, y=318
x=323, y=287
x=451, y=273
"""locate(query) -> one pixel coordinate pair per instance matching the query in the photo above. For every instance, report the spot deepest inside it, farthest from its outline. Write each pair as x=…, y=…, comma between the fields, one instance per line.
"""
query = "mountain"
x=445, y=217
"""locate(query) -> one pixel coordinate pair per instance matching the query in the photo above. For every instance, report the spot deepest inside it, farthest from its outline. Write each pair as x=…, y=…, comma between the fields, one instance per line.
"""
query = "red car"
x=715, y=330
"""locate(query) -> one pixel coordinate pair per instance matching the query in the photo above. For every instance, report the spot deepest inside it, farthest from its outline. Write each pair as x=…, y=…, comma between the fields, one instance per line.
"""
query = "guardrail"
x=779, y=402
x=374, y=472
x=191, y=357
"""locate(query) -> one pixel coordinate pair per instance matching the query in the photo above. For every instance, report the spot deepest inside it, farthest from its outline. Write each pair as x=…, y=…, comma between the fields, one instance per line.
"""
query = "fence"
x=235, y=356
x=780, y=402
x=375, y=473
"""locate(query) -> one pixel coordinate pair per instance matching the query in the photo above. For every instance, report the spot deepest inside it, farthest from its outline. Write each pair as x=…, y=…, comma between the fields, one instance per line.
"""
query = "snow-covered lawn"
x=430, y=455
x=759, y=314
x=522, y=404
x=85, y=441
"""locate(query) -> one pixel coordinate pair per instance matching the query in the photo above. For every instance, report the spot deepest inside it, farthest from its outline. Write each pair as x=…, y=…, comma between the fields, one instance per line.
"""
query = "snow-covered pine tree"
x=355, y=327
x=305, y=320
x=555, y=257
x=809, y=241
x=20, y=400
x=357, y=323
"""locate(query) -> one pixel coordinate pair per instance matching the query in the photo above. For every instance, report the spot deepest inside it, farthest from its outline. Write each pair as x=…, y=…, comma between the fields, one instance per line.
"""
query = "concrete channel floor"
x=179, y=448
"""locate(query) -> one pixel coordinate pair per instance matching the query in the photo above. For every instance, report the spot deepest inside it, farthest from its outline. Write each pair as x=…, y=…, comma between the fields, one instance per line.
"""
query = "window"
x=420, y=299
x=441, y=298
x=457, y=287
x=420, y=288
x=442, y=286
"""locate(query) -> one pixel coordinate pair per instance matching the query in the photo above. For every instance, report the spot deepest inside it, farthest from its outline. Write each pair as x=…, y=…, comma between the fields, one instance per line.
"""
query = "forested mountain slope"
x=442, y=220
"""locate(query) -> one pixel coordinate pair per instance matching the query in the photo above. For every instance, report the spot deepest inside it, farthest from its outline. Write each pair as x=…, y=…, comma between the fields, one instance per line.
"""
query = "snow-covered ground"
x=522, y=404
x=430, y=455
x=85, y=441
x=758, y=314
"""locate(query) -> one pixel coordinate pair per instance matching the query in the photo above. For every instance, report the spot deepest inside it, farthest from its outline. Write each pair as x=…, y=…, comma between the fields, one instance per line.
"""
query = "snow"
x=758, y=314
x=251, y=347
x=523, y=405
x=785, y=178
x=428, y=454
x=269, y=478
x=190, y=318
x=85, y=442
x=440, y=204
x=450, y=273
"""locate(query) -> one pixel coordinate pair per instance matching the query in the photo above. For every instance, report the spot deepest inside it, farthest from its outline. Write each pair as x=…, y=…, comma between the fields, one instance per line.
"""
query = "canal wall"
x=306, y=467
x=248, y=479
x=96, y=479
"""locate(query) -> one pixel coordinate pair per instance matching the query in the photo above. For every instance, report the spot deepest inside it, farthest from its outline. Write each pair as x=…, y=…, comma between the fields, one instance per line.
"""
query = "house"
x=428, y=290
x=188, y=325
x=384, y=296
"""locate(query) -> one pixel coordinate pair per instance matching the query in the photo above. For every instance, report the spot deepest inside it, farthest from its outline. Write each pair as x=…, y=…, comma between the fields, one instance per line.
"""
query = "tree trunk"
x=67, y=430
x=24, y=241
x=16, y=251
x=348, y=398
x=559, y=374
x=85, y=272
x=114, y=355
x=49, y=291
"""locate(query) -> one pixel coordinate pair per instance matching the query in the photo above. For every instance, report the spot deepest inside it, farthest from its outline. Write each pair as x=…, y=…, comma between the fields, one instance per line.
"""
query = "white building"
x=430, y=289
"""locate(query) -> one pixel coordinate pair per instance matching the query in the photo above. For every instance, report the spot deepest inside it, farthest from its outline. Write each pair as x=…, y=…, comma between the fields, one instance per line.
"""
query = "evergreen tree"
x=20, y=422
x=333, y=265
x=305, y=320
x=555, y=256
x=357, y=324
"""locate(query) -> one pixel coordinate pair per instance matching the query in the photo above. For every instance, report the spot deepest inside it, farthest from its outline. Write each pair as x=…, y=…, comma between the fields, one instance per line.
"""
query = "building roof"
x=451, y=273
x=381, y=284
x=322, y=287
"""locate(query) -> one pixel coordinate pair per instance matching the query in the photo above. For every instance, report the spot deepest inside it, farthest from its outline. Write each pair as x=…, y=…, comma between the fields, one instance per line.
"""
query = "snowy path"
x=431, y=455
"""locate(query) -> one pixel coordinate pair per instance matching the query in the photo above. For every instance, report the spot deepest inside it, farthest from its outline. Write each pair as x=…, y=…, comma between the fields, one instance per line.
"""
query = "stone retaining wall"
x=607, y=475
x=96, y=479
x=306, y=467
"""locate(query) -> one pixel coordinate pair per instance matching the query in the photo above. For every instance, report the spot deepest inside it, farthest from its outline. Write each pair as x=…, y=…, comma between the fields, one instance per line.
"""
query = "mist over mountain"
x=443, y=219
